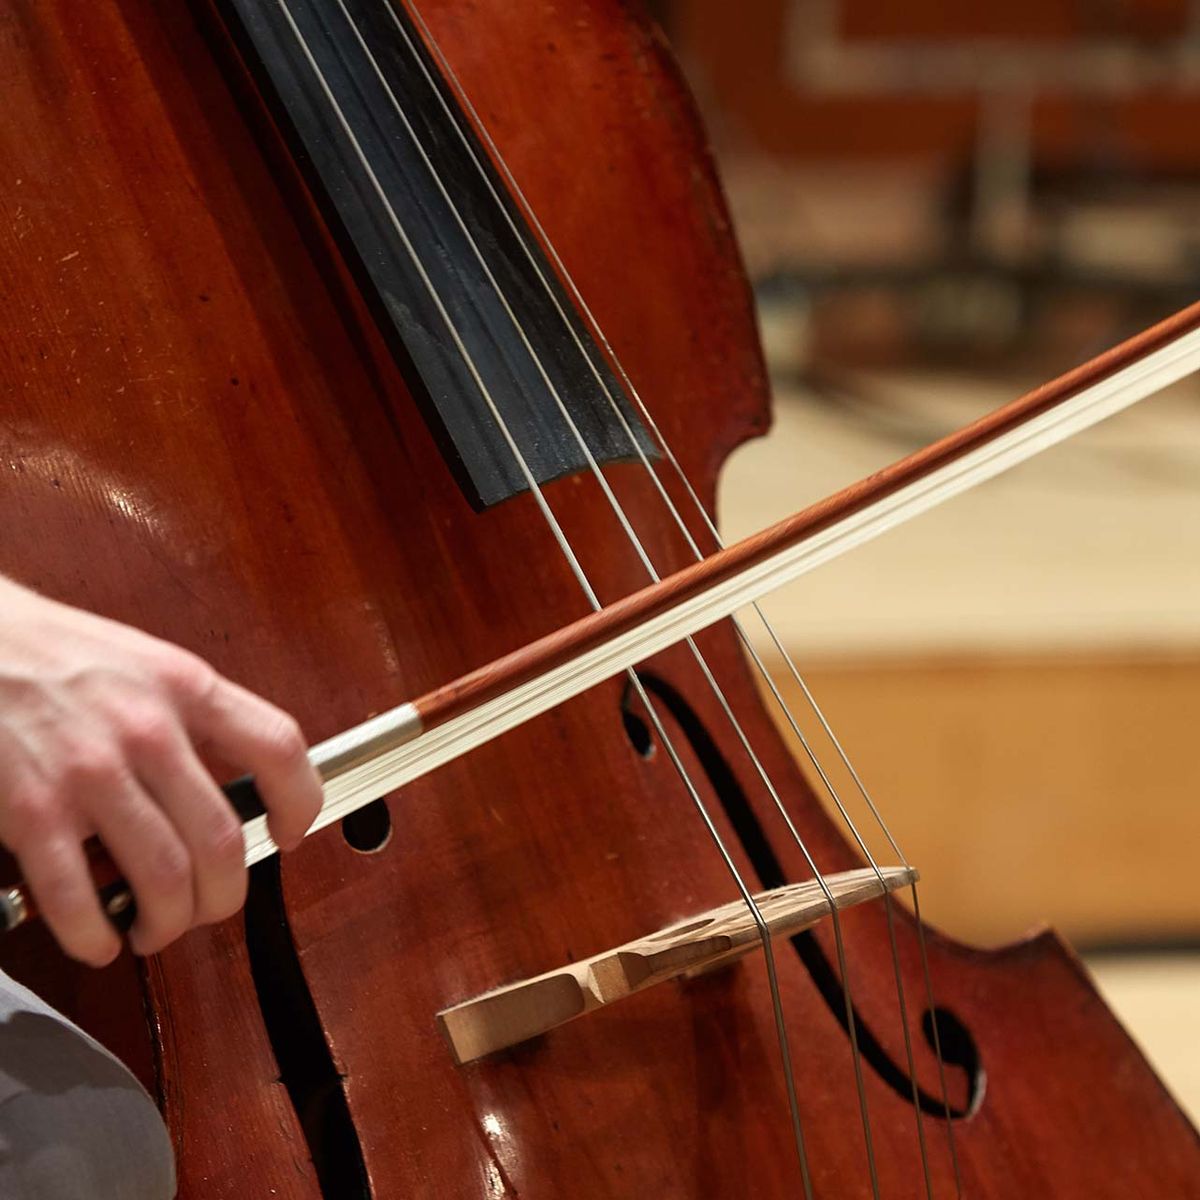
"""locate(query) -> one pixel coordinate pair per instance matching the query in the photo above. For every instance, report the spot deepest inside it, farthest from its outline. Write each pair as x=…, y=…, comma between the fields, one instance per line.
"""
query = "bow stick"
x=390, y=750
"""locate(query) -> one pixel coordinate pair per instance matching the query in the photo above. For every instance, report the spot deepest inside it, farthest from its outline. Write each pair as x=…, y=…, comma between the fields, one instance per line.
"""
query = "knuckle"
x=284, y=740
x=89, y=763
x=186, y=674
x=168, y=868
x=31, y=813
x=59, y=890
x=149, y=732
x=223, y=842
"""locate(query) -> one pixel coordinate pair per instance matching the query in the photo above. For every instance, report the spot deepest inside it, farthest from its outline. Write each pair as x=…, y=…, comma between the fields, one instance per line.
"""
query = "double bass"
x=358, y=346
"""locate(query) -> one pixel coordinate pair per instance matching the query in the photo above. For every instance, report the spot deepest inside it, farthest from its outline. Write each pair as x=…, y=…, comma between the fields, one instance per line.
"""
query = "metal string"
x=639, y=547
x=781, y=702
x=593, y=599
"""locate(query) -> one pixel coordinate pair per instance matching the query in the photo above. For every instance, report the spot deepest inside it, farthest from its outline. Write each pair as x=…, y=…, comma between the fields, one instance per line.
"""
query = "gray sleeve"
x=74, y=1122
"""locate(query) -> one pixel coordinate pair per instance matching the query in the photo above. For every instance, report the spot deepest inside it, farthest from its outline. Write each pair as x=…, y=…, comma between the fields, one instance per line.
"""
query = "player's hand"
x=99, y=731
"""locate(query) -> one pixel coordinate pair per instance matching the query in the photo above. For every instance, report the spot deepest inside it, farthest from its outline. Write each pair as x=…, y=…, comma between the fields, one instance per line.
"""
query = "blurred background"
x=942, y=205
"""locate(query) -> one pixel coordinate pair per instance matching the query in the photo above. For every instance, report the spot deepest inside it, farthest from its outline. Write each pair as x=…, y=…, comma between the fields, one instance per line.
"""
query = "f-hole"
x=306, y=1067
x=637, y=729
x=958, y=1046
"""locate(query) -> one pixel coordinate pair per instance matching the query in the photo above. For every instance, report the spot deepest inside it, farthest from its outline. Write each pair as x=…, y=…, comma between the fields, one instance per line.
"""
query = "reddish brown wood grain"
x=200, y=433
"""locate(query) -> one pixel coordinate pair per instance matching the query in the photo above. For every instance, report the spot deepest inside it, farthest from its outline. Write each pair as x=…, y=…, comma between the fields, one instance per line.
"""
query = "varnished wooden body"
x=202, y=435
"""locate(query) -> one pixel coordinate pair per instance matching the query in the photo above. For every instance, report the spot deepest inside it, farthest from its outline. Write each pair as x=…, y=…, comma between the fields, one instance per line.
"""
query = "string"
x=704, y=666
x=585, y=584
x=636, y=542
x=682, y=525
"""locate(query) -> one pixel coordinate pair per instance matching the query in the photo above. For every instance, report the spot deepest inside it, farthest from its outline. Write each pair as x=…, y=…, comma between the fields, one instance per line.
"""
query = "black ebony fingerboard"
x=428, y=227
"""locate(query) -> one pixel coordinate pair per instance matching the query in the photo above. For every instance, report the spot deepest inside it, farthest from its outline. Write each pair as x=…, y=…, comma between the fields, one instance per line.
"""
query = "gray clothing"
x=74, y=1123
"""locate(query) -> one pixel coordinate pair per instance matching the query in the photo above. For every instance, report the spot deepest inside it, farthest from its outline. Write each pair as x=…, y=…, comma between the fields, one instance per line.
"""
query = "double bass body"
x=205, y=435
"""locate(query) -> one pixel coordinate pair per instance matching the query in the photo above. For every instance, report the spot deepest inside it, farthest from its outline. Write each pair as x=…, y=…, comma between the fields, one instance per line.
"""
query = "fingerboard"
x=463, y=291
